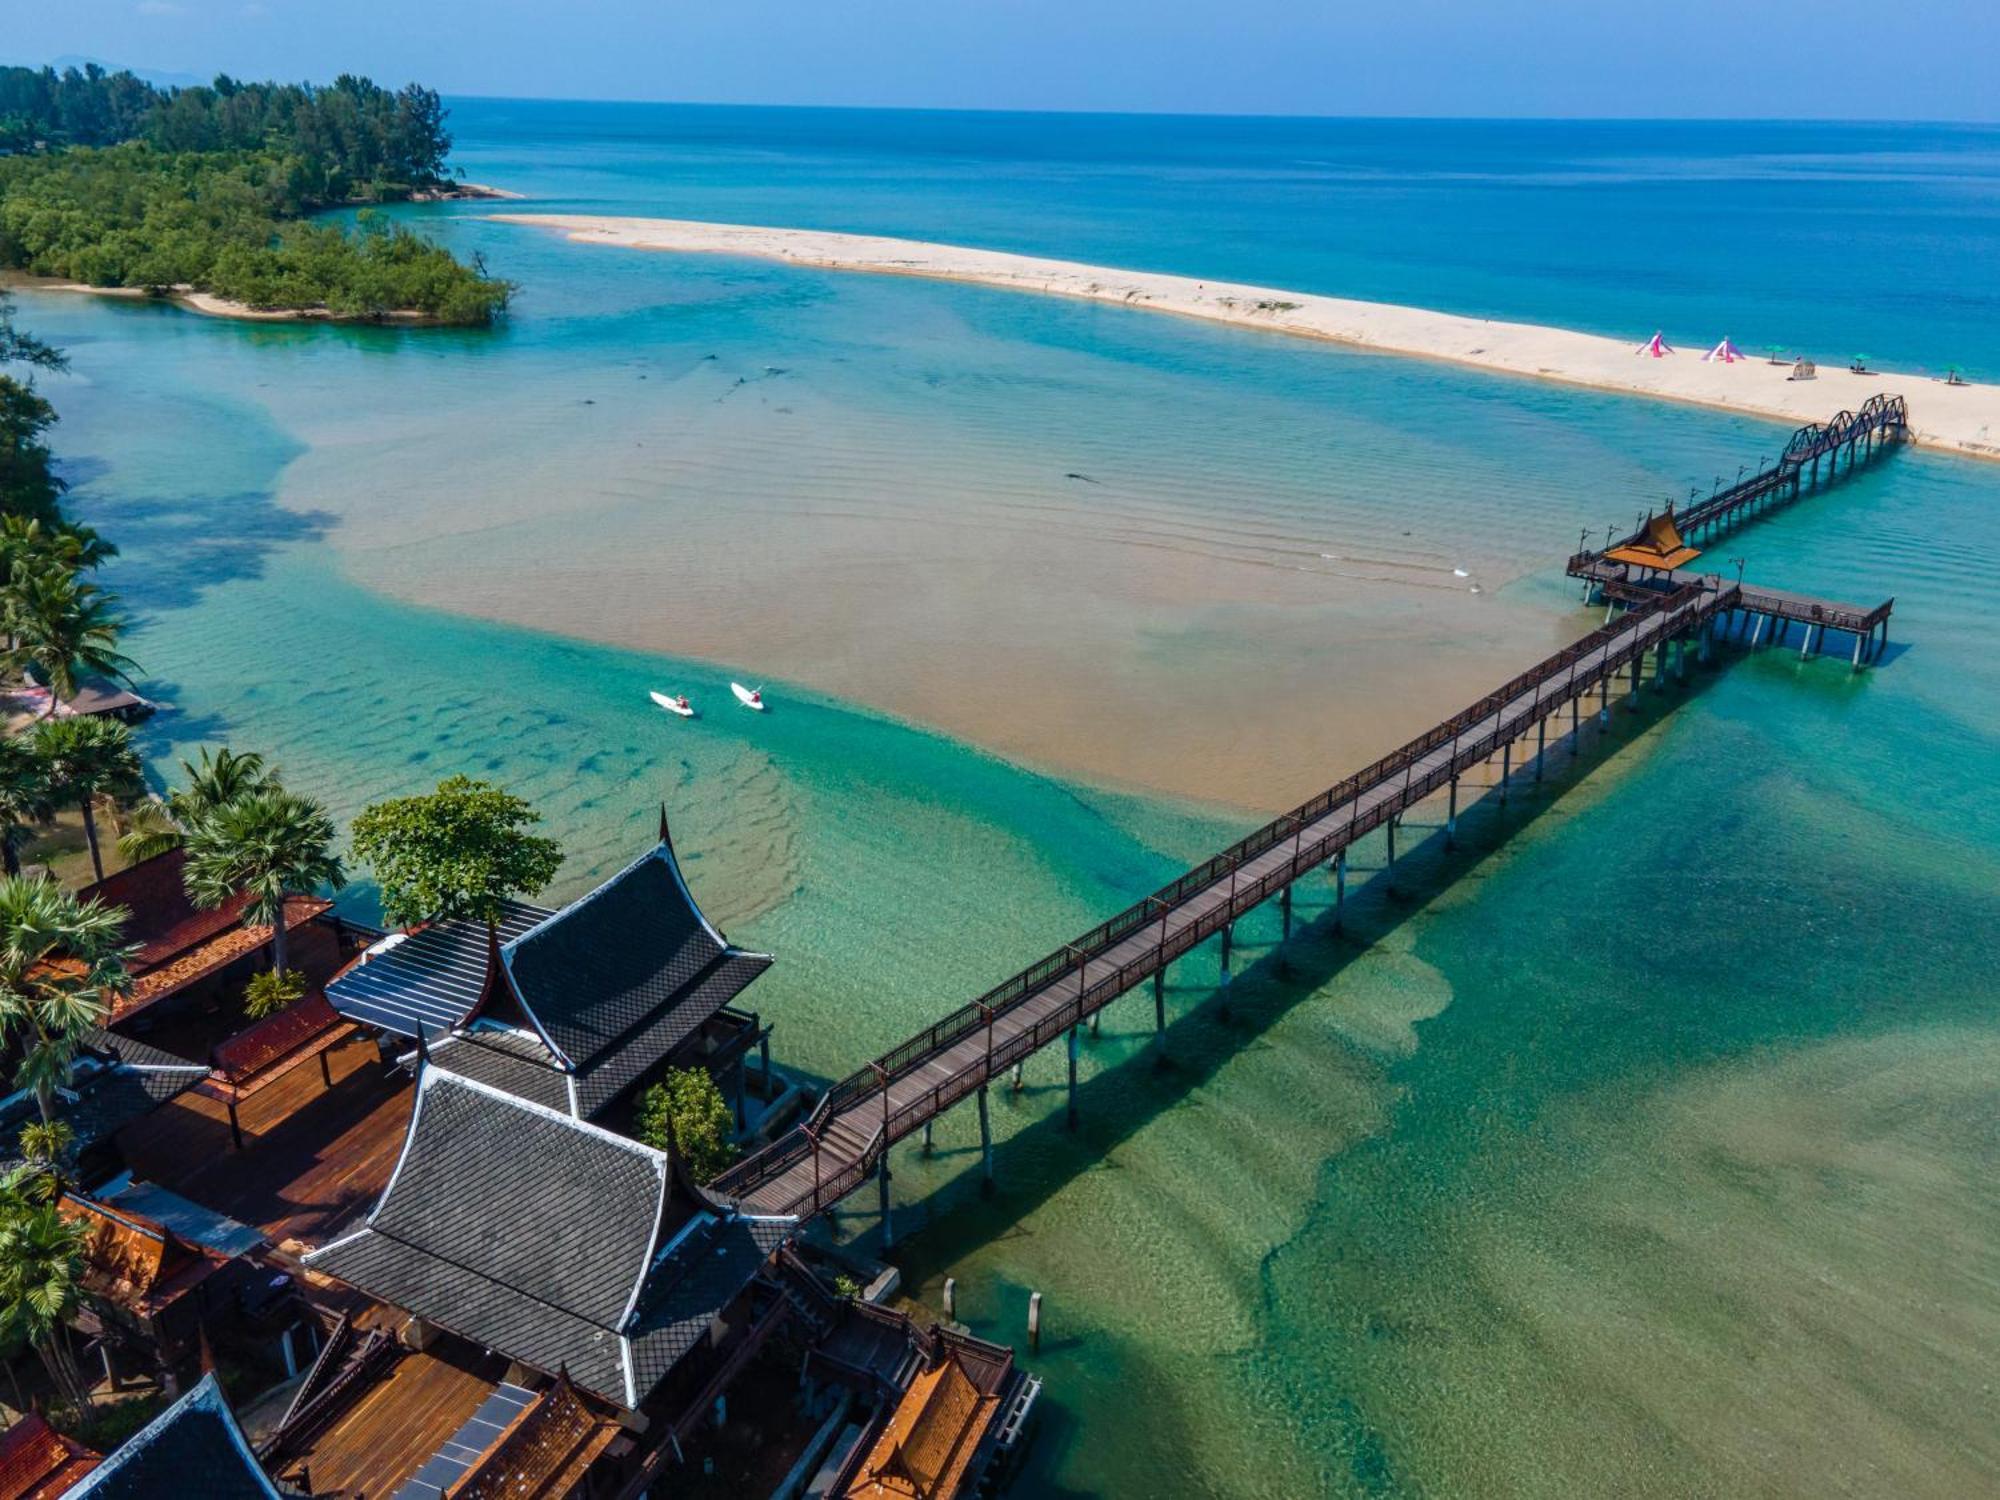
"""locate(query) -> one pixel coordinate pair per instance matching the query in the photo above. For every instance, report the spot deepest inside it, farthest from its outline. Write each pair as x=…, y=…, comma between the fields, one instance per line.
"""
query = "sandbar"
x=1956, y=418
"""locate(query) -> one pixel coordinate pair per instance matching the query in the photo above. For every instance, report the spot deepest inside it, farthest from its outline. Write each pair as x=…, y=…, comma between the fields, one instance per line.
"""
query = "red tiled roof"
x=39, y=1463
x=275, y=1037
x=164, y=922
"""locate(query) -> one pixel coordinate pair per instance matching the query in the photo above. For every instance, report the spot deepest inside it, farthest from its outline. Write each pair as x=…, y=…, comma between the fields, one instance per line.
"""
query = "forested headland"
x=111, y=182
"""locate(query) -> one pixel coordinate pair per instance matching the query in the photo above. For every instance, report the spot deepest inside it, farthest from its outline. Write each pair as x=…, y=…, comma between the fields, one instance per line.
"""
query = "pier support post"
x=1541, y=744
x=1660, y=665
x=1604, y=701
x=1805, y=646
x=1159, y=1017
x=1228, y=940
x=1857, y=651
x=1451, y=818
x=1575, y=721
x=1072, y=1078
x=1340, y=891
x=882, y=1180
x=1757, y=634
x=927, y=1136
x=1638, y=665
x=985, y=1143
x=1506, y=769
x=1391, y=826
x=1017, y=1074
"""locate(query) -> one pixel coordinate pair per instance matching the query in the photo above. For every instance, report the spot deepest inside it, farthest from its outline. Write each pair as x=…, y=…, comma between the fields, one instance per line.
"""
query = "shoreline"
x=211, y=306
x=1963, y=419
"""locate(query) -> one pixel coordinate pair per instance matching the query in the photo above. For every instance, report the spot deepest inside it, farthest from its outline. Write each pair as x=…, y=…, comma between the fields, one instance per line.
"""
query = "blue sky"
x=1916, y=59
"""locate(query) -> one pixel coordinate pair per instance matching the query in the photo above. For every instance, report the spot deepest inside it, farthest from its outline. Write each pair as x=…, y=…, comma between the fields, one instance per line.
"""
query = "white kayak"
x=748, y=697
x=673, y=705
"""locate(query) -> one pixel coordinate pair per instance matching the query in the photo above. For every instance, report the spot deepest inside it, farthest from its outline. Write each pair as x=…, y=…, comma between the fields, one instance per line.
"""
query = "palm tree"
x=212, y=781
x=41, y=1275
x=62, y=628
x=267, y=844
x=61, y=958
x=26, y=799
x=87, y=759
x=26, y=544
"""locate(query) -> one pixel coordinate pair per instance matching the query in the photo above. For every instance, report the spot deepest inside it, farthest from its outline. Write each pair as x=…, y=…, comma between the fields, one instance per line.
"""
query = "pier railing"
x=1882, y=418
x=1370, y=798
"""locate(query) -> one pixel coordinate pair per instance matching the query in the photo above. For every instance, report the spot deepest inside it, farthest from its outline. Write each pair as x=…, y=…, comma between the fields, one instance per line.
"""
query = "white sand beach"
x=1956, y=418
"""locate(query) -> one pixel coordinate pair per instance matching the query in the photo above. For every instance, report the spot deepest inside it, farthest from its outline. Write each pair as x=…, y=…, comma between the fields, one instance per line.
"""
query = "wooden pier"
x=1665, y=611
x=1629, y=569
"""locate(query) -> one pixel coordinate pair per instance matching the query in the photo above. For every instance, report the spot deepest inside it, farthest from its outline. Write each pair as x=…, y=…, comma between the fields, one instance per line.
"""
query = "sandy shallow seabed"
x=1108, y=639
x=1961, y=419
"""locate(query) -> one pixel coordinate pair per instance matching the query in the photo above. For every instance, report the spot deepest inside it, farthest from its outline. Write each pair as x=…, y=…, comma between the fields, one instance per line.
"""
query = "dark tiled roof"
x=532, y=1233
x=117, y=1080
x=432, y=976
x=617, y=1070
x=163, y=921
x=607, y=966
x=193, y=1447
x=516, y=1061
x=708, y=1268
x=522, y=1198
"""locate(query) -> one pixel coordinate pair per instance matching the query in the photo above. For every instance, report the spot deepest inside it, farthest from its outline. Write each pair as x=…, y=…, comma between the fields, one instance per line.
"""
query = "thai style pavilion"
x=569, y=1249
x=572, y=1008
x=1659, y=546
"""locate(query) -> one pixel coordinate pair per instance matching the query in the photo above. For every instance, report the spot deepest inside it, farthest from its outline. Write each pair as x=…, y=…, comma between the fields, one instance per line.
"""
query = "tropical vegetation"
x=61, y=959
x=41, y=1278
x=460, y=851
x=85, y=759
x=686, y=1114
x=116, y=184
x=268, y=845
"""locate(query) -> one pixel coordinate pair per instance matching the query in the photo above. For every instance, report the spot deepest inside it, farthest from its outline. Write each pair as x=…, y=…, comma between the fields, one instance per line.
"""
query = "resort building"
x=194, y=1447
x=184, y=949
x=564, y=1246
x=39, y=1463
x=572, y=1009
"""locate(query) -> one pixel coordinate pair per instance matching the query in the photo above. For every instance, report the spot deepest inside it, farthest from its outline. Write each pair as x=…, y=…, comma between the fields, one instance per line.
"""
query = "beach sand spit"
x=1955, y=418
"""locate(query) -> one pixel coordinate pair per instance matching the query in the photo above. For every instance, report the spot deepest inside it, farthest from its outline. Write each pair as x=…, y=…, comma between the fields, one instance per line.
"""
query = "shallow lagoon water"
x=1643, y=1147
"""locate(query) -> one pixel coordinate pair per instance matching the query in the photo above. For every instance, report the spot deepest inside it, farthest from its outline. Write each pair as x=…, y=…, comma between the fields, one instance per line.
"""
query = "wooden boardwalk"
x=847, y=1137
x=834, y=1152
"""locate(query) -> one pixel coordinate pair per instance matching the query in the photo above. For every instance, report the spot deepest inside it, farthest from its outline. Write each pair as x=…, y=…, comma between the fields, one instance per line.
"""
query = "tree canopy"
x=687, y=1114
x=364, y=141
x=459, y=851
x=109, y=181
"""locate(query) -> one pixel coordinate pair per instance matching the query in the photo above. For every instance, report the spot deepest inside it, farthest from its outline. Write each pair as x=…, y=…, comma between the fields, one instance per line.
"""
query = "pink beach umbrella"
x=1724, y=353
x=1656, y=346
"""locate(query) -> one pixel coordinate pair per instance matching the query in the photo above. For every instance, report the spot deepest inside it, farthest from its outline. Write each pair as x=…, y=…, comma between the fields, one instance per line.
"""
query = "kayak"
x=748, y=697
x=673, y=705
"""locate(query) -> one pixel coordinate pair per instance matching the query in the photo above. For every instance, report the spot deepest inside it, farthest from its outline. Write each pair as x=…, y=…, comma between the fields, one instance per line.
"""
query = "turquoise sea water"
x=1644, y=1147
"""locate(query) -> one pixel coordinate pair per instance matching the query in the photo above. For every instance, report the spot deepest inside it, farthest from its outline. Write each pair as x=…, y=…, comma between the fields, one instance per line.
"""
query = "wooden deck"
x=399, y=1422
x=314, y=1157
x=833, y=1153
